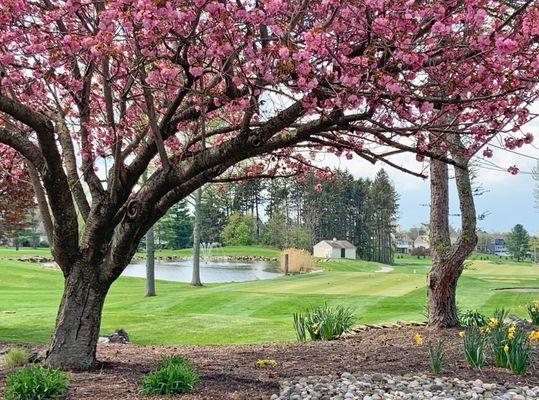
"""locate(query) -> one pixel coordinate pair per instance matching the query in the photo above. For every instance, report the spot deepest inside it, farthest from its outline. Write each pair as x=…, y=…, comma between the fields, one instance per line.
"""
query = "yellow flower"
x=512, y=328
x=510, y=335
x=418, y=339
x=493, y=322
x=506, y=348
x=461, y=333
x=534, y=335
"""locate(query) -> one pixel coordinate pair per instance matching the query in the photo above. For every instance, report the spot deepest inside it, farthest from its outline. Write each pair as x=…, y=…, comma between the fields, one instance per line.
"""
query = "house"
x=334, y=249
x=422, y=241
x=499, y=247
x=403, y=244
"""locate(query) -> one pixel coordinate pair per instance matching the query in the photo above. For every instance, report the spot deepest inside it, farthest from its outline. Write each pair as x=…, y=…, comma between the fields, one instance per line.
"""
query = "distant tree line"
x=301, y=212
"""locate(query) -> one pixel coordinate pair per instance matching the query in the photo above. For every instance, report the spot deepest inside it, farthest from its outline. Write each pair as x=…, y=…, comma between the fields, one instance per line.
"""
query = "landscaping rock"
x=119, y=336
x=385, y=387
x=519, y=322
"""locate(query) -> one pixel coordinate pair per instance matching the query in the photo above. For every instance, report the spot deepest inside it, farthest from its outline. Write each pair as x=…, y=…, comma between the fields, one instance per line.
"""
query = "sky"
x=508, y=199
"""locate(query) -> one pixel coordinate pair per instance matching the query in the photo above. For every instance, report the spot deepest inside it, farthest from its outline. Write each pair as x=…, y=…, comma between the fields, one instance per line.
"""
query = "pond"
x=210, y=271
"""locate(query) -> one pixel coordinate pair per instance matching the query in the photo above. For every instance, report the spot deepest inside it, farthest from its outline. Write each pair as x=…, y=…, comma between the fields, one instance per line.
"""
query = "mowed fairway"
x=256, y=311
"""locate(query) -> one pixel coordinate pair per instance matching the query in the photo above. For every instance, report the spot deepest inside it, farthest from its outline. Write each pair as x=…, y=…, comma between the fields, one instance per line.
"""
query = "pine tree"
x=176, y=227
x=518, y=242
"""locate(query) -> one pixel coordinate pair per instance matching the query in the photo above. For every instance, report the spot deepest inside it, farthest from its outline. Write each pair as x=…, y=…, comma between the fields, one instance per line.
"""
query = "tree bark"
x=195, y=281
x=75, y=337
x=150, y=263
x=448, y=259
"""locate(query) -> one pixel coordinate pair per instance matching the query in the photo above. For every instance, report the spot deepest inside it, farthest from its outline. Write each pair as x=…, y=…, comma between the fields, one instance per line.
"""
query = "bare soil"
x=230, y=372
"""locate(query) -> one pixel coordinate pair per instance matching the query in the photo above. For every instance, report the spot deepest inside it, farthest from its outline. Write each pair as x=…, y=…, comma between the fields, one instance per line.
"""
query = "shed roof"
x=339, y=244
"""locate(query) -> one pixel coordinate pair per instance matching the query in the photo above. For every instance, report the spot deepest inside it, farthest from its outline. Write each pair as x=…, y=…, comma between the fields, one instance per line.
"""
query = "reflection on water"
x=210, y=271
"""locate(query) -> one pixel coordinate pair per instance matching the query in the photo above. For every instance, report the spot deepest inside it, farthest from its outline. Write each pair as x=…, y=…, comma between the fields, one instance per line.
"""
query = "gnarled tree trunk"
x=448, y=259
x=75, y=337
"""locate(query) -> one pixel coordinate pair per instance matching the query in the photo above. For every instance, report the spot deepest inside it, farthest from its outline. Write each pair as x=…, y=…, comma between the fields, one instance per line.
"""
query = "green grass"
x=256, y=311
x=11, y=252
x=258, y=251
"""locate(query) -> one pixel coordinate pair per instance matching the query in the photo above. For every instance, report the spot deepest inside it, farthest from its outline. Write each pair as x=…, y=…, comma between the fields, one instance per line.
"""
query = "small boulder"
x=519, y=322
x=119, y=336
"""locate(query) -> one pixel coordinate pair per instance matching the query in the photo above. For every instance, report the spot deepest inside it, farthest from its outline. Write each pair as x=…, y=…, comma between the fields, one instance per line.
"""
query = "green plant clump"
x=323, y=322
x=469, y=318
x=474, y=348
x=15, y=357
x=36, y=383
x=436, y=354
x=533, y=311
x=519, y=352
x=175, y=375
x=497, y=337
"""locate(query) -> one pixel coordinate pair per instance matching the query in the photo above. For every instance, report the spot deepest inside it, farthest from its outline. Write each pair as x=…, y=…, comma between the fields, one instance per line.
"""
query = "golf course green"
x=254, y=311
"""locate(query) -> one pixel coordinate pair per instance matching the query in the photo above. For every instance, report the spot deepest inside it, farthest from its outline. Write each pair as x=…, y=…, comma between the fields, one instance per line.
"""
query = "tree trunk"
x=75, y=337
x=150, y=263
x=448, y=259
x=442, y=284
x=195, y=281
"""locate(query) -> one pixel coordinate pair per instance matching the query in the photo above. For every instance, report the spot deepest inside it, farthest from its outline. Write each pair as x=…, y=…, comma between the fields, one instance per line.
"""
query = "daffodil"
x=534, y=335
x=506, y=348
x=510, y=335
x=493, y=322
x=462, y=334
x=418, y=339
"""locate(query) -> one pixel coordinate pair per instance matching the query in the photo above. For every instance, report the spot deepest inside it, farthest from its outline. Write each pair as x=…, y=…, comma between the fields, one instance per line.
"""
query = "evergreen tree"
x=176, y=227
x=385, y=207
x=214, y=212
x=518, y=242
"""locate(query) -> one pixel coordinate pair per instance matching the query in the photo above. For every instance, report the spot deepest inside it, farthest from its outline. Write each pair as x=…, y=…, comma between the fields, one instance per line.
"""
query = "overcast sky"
x=509, y=198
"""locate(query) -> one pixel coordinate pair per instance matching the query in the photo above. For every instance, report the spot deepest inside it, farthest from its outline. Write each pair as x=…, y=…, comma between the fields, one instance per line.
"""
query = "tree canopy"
x=93, y=92
x=518, y=242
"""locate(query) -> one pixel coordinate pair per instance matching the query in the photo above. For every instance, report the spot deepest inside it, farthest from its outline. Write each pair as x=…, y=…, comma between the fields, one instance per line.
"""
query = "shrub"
x=299, y=260
x=518, y=351
x=36, y=383
x=472, y=318
x=533, y=311
x=323, y=322
x=474, y=347
x=15, y=357
x=420, y=252
x=174, y=376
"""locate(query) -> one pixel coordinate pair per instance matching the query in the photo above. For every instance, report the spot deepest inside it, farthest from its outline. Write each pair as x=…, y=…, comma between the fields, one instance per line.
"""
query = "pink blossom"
x=196, y=71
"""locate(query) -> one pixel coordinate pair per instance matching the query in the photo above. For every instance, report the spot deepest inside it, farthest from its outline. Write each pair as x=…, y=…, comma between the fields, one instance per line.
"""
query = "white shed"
x=334, y=249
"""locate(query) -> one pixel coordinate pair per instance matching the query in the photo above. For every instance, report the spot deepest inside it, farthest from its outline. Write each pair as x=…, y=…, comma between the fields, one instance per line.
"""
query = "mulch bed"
x=230, y=372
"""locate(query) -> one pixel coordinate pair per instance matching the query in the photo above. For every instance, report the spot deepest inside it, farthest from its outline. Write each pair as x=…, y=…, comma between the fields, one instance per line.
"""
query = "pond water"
x=210, y=271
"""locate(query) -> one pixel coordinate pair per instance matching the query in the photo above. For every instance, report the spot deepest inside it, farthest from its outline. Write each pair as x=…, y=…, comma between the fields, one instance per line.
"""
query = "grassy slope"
x=258, y=311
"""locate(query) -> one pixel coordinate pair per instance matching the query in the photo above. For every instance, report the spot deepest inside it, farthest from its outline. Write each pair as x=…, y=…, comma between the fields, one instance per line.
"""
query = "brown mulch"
x=230, y=372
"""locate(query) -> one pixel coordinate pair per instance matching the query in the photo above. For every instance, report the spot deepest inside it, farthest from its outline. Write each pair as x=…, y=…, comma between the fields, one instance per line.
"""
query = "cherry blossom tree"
x=93, y=92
